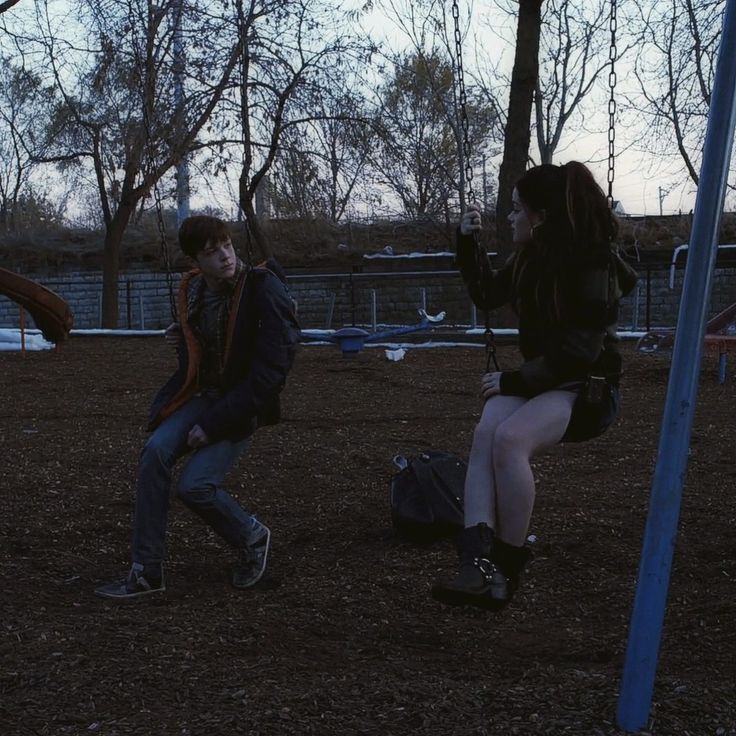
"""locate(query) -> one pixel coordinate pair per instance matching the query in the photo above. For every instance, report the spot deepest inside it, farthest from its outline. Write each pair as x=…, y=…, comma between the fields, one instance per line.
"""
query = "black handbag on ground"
x=426, y=496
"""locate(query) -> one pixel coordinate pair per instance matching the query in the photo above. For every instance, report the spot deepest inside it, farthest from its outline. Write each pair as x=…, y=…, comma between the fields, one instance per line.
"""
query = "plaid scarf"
x=195, y=303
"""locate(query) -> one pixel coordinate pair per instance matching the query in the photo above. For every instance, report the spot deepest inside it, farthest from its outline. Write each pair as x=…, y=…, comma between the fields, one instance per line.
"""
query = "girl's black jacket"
x=563, y=344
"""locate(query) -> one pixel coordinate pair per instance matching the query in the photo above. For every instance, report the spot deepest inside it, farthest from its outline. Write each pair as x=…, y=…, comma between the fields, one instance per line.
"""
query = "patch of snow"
x=10, y=340
x=385, y=254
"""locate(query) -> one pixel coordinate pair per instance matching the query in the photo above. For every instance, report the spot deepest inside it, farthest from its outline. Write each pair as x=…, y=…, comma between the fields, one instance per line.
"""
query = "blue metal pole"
x=722, y=364
x=650, y=600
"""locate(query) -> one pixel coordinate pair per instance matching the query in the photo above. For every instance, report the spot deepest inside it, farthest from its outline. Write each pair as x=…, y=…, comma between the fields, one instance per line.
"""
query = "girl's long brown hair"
x=577, y=226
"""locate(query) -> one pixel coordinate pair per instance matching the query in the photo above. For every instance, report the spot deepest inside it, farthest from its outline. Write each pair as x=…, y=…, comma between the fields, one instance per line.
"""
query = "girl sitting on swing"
x=564, y=282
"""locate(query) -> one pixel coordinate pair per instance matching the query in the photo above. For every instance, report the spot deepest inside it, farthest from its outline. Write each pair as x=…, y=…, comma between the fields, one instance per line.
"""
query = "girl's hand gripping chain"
x=490, y=384
x=470, y=222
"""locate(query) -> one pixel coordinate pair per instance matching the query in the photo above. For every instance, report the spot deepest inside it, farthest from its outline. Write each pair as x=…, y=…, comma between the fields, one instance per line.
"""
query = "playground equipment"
x=720, y=339
x=351, y=340
x=684, y=249
x=647, y=615
x=50, y=312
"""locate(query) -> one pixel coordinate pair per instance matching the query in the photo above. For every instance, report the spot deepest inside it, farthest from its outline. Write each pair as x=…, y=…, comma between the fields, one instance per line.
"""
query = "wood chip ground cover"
x=343, y=637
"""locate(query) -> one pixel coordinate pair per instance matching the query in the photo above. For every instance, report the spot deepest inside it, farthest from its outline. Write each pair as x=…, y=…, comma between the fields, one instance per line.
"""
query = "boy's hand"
x=470, y=221
x=197, y=437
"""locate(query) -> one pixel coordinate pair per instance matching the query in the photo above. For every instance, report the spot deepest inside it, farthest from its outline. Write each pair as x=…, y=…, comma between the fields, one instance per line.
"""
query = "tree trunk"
x=111, y=264
x=518, y=122
x=257, y=236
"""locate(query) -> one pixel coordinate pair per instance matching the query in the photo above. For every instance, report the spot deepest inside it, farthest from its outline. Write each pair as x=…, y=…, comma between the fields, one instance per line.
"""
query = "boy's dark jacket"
x=260, y=343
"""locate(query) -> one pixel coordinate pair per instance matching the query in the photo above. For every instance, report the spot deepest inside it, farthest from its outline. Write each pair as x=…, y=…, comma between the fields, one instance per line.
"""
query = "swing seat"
x=350, y=340
x=50, y=312
x=656, y=341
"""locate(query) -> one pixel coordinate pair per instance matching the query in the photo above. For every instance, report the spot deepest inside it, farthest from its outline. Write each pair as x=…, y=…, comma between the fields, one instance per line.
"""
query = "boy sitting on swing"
x=236, y=340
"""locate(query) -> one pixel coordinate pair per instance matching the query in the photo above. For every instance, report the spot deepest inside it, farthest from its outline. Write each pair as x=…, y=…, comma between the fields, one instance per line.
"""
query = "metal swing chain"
x=481, y=256
x=165, y=255
x=463, y=101
x=612, y=55
x=158, y=206
x=243, y=137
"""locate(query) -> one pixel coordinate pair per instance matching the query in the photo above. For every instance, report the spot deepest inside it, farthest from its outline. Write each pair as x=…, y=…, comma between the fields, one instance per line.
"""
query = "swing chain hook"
x=490, y=339
x=612, y=55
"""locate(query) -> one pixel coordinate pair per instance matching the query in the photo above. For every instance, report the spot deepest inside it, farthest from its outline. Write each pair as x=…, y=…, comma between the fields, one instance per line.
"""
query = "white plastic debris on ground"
x=395, y=355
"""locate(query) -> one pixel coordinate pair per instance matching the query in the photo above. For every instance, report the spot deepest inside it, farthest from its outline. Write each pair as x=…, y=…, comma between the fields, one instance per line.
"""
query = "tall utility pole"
x=182, y=168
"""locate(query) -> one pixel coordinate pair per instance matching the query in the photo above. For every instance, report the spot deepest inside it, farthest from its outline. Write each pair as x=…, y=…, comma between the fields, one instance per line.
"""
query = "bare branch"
x=7, y=4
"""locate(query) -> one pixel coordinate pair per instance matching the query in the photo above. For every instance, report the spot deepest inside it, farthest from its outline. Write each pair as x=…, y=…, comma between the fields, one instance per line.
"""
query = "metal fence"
x=371, y=298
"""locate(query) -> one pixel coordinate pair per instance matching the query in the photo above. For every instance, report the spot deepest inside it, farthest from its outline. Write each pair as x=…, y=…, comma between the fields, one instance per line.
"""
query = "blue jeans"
x=199, y=486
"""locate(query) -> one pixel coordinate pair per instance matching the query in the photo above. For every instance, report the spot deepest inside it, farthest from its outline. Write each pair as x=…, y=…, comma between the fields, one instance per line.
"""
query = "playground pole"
x=22, y=332
x=650, y=600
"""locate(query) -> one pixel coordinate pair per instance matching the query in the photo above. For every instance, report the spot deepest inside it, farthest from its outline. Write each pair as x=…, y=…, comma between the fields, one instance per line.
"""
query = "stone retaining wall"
x=335, y=300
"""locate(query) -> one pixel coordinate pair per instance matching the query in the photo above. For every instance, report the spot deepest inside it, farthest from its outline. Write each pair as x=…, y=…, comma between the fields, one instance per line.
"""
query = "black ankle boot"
x=477, y=581
x=509, y=561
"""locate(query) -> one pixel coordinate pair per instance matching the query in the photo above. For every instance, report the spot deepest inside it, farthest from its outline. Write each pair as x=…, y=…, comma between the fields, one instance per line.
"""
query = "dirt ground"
x=344, y=638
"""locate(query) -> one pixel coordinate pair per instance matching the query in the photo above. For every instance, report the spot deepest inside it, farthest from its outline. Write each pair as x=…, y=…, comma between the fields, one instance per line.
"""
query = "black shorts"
x=592, y=420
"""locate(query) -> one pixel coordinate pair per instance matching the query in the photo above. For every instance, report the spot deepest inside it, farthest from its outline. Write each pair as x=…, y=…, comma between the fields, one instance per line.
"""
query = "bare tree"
x=345, y=148
x=295, y=177
x=290, y=56
x=118, y=111
x=432, y=37
x=574, y=52
x=416, y=151
x=518, y=121
x=25, y=110
x=7, y=5
x=322, y=162
x=290, y=60
x=675, y=68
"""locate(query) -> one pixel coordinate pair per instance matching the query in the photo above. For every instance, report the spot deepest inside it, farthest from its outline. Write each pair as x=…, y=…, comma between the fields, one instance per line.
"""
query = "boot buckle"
x=486, y=567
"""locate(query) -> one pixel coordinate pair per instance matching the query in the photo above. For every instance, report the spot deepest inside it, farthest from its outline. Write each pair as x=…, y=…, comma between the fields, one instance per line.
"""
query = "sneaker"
x=141, y=580
x=251, y=562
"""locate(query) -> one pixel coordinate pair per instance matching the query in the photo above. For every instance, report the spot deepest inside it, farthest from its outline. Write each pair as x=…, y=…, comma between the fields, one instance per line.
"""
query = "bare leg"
x=537, y=425
x=480, y=491
x=499, y=493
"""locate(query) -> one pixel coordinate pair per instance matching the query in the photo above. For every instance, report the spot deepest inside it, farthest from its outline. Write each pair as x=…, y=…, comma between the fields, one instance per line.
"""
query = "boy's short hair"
x=196, y=231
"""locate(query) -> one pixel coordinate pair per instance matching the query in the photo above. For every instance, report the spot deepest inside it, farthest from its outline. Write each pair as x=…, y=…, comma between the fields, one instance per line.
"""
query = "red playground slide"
x=49, y=311
x=720, y=339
